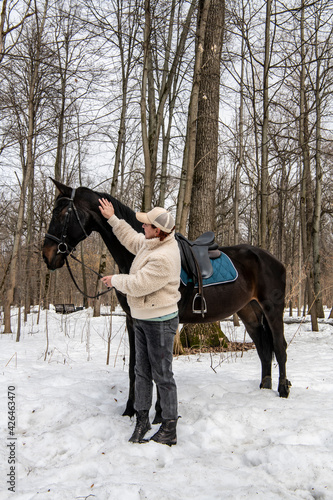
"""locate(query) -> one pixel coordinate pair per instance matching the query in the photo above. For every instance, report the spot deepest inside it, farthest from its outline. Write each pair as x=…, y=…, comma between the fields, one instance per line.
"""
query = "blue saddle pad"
x=223, y=272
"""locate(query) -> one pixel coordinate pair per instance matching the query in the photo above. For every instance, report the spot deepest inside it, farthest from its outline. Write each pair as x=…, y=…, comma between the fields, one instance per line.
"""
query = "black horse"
x=257, y=296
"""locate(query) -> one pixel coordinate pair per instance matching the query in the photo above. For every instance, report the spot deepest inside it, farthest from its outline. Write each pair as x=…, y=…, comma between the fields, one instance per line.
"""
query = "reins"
x=67, y=250
x=74, y=280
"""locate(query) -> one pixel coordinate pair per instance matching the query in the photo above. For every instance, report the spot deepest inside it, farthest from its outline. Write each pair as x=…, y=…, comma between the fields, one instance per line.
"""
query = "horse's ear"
x=64, y=190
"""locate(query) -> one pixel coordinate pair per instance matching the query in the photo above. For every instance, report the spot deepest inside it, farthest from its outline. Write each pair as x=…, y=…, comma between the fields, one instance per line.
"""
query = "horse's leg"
x=130, y=411
x=256, y=326
x=273, y=310
x=158, y=410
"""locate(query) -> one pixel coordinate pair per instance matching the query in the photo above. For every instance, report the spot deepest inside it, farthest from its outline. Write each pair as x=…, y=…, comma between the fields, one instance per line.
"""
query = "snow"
x=235, y=441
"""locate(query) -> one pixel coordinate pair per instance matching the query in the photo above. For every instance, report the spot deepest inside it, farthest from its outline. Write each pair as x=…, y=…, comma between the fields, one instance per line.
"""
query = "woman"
x=152, y=294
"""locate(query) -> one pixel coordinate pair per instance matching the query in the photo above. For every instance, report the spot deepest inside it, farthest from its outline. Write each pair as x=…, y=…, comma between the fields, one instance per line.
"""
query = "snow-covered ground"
x=234, y=440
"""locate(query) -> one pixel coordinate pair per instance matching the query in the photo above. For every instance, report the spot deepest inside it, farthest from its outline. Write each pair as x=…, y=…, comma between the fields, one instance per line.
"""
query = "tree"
x=274, y=152
x=202, y=211
x=311, y=202
x=186, y=179
x=152, y=108
x=264, y=138
x=8, y=12
x=323, y=84
x=202, y=208
x=28, y=167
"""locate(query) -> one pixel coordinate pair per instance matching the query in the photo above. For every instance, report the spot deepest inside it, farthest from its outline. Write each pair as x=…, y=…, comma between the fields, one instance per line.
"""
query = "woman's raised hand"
x=106, y=208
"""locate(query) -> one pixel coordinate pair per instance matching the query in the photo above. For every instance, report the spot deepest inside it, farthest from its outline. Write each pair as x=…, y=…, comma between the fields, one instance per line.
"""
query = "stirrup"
x=199, y=311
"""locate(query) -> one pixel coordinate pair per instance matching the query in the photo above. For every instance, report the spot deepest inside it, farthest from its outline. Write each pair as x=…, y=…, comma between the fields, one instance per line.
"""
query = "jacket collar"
x=155, y=242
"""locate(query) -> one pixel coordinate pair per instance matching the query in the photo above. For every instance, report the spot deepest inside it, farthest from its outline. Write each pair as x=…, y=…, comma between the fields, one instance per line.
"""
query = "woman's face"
x=150, y=231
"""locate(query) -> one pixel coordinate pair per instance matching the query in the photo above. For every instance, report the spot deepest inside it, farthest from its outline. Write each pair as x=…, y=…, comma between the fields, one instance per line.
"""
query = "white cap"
x=158, y=217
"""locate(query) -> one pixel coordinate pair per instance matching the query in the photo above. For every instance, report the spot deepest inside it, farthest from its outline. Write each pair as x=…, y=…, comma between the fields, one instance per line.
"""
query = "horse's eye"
x=59, y=209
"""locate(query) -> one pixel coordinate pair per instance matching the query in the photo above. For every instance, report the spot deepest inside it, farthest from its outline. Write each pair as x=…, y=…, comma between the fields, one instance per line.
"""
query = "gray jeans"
x=153, y=362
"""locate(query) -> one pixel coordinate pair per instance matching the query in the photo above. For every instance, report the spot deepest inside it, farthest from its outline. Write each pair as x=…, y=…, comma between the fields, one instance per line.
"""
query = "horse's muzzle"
x=52, y=258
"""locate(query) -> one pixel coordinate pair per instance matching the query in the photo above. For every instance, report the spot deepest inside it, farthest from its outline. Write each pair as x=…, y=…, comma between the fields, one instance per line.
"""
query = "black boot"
x=142, y=426
x=166, y=434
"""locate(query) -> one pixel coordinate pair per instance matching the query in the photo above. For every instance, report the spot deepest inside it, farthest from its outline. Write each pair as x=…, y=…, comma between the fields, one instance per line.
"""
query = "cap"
x=159, y=217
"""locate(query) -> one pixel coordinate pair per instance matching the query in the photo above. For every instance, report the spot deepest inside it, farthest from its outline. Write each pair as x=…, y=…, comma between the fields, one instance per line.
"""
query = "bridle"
x=67, y=250
x=63, y=246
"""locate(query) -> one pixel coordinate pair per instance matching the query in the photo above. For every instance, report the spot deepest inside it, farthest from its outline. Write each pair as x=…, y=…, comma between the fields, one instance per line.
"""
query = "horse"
x=257, y=295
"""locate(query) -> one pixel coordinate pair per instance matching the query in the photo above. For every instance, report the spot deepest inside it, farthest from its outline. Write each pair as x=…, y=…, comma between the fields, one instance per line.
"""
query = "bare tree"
x=264, y=139
x=152, y=115
x=202, y=211
x=323, y=84
x=11, y=10
x=186, y=180
x=28, y=168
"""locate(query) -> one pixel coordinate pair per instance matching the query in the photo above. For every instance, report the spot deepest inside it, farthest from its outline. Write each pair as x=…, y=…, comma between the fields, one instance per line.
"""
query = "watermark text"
x=11, y=439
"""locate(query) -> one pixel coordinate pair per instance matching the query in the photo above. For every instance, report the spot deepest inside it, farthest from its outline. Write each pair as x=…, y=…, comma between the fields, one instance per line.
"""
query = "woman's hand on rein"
x=106, y=208
x=107, y=280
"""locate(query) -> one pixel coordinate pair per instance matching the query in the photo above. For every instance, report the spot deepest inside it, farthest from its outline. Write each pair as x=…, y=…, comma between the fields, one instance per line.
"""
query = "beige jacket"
x=153, y=281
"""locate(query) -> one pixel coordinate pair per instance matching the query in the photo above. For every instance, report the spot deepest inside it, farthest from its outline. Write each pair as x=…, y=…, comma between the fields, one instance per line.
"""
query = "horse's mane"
x=123, y=211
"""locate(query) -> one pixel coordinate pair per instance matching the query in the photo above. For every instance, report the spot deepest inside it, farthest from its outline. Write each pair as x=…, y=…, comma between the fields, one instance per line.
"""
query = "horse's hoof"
x=266, y=383
x=284, y=388
x=158, y=419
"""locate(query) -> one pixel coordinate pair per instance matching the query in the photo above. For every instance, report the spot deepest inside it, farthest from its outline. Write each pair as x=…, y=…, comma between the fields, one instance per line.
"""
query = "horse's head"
x=69, y=225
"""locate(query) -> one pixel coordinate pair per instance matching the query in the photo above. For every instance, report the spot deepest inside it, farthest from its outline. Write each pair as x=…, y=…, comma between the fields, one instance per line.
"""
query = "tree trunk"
x=60, y=140
x=150, y=135
x=2, y=29
x=202, y=210
x=27, y=176
x=101, y=271
x=126, y=55
x=306, y=209
x=27, y=298
x=166, y=128
x=318, y=196
x=186, y=180
x=147, y=193
x=299, y=298
x=240, y=155
x=264, y=139
x=165, y=153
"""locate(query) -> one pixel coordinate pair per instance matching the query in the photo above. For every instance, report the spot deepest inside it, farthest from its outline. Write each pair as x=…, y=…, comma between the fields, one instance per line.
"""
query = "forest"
x=219, y=111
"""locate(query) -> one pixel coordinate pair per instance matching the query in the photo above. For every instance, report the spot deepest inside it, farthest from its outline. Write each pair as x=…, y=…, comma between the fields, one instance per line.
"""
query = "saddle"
x=196, y=261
